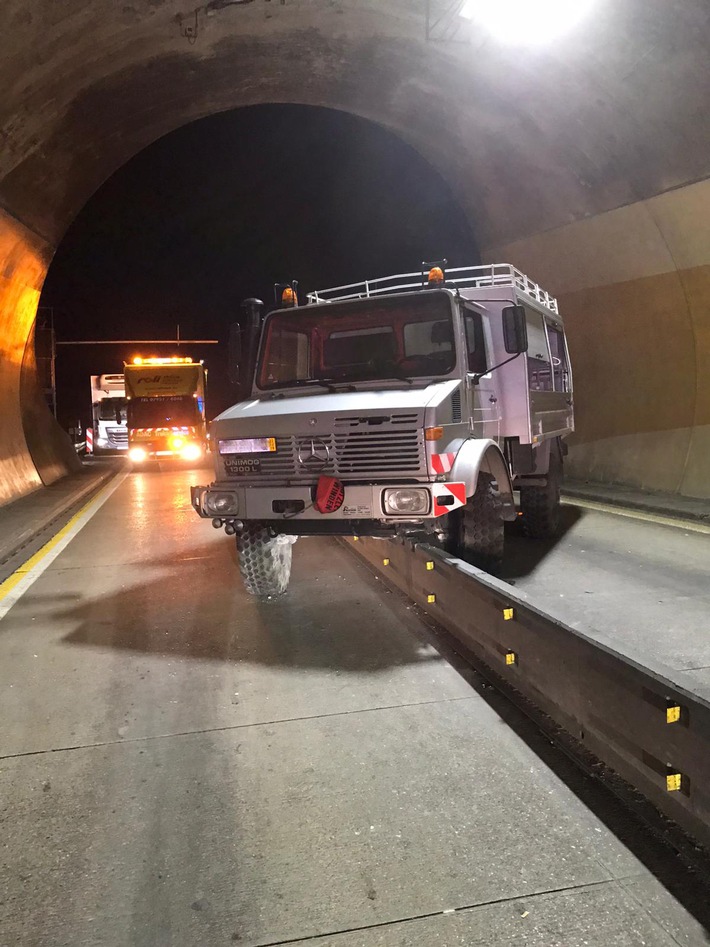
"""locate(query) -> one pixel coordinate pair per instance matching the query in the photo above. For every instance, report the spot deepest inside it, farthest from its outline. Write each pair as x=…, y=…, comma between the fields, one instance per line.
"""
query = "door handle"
x=493, y=399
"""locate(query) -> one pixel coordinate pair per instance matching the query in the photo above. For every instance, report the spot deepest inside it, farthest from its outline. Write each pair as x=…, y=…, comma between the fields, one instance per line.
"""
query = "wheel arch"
x=484, y=455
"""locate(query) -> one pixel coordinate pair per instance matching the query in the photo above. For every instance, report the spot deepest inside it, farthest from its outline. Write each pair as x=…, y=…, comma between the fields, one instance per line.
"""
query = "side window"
x=558, y=350
x=538, y=357
x=475, y=342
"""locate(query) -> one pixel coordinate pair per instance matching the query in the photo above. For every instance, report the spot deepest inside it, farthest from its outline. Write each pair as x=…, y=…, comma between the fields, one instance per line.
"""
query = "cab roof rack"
x=462, y=277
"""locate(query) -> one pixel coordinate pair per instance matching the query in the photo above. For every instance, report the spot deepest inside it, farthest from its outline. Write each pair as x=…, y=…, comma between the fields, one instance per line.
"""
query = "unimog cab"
x=408, y=406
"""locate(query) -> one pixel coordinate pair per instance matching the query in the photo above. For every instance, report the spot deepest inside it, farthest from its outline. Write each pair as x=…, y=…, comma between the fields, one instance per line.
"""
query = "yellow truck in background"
x=166, y=409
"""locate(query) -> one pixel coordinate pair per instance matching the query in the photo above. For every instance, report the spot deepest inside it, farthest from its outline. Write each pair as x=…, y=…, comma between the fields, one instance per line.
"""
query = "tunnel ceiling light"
x=526, y=22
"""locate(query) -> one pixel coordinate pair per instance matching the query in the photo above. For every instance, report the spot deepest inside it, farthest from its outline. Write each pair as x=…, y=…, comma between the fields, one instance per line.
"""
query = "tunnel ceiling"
x=530, y=139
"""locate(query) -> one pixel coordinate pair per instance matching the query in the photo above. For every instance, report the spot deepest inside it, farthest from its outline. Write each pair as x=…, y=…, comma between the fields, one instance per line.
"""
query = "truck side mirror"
x=515, y=330
x=234, y=354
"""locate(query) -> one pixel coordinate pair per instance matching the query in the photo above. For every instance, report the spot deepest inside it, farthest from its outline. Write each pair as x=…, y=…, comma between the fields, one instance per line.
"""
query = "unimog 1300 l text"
x=408, y=406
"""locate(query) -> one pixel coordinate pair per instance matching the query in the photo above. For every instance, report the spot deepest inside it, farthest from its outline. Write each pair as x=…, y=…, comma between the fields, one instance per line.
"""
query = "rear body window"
x=538, y=354
x=560, y=362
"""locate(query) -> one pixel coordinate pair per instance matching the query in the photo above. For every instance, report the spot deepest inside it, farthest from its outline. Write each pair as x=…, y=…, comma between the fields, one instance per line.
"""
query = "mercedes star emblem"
x=313, y=454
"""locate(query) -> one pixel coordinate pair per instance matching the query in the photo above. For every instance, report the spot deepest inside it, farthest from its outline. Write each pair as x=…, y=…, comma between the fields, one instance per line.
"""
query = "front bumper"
x=229, y=502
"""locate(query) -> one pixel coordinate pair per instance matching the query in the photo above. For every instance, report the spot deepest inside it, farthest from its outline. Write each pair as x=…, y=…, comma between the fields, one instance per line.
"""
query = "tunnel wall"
x=51, y=450
x=23, y=418
x=634, y=288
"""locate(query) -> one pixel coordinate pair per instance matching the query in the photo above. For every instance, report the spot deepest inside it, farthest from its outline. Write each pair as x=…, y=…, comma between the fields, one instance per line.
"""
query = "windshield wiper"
x=410, y=381
x=327, y=383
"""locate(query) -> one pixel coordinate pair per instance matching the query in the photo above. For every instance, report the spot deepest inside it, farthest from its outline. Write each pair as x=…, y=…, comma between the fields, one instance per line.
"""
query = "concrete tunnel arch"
x=584, y=163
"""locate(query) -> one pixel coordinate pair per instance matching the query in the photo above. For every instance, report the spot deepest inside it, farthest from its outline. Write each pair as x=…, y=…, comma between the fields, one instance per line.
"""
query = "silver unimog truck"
x=408, y=406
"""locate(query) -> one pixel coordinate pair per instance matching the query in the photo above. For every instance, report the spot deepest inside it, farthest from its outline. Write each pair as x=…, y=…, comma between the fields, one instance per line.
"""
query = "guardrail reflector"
x=673, y=713
x=430, y=565
x=385, y=562
x=431, y=598
x=674, y=781
x=511, y=657
x=508, y=614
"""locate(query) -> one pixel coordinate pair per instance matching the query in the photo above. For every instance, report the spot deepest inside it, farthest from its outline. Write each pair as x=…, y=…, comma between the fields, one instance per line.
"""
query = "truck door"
x=483, y=405
x=549, y=378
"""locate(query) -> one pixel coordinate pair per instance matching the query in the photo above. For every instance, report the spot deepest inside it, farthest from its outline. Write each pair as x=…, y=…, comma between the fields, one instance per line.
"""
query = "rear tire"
x=264, y=561
x=540, y=506
x=478, y=529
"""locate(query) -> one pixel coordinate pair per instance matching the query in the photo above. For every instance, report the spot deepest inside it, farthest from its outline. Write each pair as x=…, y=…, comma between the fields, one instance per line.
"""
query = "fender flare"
x=476, y=455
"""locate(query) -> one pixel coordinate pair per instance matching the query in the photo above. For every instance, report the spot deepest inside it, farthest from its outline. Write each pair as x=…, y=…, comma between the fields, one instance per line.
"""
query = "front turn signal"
x=433, y=433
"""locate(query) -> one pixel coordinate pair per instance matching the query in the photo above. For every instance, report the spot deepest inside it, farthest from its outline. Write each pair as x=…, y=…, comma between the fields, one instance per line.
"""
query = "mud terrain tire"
x=540, y=506
x=264, y=561
x=480, y=534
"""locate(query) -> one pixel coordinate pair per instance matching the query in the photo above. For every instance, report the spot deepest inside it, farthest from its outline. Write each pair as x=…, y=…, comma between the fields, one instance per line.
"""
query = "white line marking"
x=15, y=586
x=687, y=525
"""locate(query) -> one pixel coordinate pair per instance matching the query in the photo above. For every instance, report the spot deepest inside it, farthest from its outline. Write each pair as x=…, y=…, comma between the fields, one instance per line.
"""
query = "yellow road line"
x=657, y=518
x=35, y=565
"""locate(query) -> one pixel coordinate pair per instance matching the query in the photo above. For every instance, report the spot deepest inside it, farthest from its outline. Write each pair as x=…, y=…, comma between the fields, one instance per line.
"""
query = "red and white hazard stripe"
x=448, y=497
x=89, y=440
x=442, y=463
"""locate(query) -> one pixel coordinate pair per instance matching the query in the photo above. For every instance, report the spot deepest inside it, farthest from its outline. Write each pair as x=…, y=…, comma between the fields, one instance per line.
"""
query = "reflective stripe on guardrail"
x=652, y=731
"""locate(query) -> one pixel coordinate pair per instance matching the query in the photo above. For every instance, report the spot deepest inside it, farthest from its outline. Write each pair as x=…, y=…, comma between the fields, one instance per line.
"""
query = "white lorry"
x=409, y=406
x=109, y=431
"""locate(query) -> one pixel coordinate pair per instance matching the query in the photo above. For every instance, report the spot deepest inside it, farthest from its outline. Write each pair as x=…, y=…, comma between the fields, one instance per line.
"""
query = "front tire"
x=540, y=506
x=478, y=529
x=264, y=561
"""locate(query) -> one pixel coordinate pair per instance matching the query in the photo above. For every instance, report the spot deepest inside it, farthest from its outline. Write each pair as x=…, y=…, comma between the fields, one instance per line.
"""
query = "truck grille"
x=360, y=448
x=367, y=452
x=118, y=437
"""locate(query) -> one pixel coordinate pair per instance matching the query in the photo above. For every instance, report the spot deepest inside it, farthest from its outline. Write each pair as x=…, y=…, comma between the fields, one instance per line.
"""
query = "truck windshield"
x=173, y=411
x=112, y=409
x=398, y=337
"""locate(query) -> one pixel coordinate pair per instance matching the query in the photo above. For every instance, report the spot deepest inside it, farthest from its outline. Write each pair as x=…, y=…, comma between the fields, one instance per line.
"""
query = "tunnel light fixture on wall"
x=526, y=22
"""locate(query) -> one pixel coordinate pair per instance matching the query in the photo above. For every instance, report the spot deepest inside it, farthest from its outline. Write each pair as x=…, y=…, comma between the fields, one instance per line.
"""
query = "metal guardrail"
x=652, y=732
x=461, y=277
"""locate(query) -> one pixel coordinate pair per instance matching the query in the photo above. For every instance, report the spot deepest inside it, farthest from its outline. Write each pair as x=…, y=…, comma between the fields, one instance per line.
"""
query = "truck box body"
x=166, y=409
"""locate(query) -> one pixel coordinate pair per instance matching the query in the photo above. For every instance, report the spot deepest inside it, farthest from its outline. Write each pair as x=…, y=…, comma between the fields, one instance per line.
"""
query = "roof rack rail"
x=462, y=277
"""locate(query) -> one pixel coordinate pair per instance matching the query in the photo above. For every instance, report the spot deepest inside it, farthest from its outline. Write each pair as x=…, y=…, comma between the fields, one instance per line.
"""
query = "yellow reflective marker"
x=430, y=566
x=355, y=538
x=508, y=614
x=385, y=562
x=431, y=598
x=511, y=657
x=672, y=713
x=673, y=781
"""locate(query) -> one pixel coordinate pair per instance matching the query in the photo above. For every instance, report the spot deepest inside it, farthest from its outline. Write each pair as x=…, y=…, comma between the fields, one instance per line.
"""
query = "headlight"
x=191, y=452
x=176, y=442
x=221, y=503
x=102, y=442
x=406, y=501
x=137, y=455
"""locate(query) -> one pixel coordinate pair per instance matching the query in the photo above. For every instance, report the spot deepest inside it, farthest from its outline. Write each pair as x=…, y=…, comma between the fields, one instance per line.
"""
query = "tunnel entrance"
x=221, y=209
